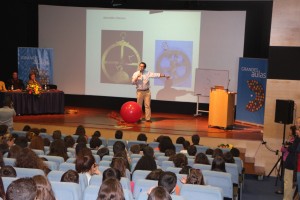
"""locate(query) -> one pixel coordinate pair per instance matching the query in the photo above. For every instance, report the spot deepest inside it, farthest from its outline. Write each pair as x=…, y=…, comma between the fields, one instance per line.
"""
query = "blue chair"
x=19, y=133
x=191, y=161
x=133, y=142
x=66, y=190
x=46, y=149
x=239, y=163
x=107, y=157
x=91, y=192
x=200, y=192
x=219, y=179
x=153, y=144
x=176, y=170
x=104, y=141
x=202, y=167
x=105, y=163
x=51, y=165
x=179, y=177
x=166, y=164
x=125, y=182
x=140, y=174
x=73, y=151
x=157, y=154
x=38, y=152
x=46, y=135
x=160, y=159
x=71, y=160
x=201, y=149
x=134, y=160
x=232, y=168
x=97, y=158
x=135, y=155
x=103, y=168
x=28, y=172
x=143, y=186
x=10, y=161
x=55, y=175
x=111, y=141
x=178, y=147
x=66, y=166
x=210, y=159
x=96, y=180
x=7, y=181
x=56, y=159
x=83, y=182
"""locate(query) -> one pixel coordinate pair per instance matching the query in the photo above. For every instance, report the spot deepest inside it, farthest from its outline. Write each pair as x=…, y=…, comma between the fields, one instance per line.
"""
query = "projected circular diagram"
x=258, y=102
x=117, y=58
x=176, y=64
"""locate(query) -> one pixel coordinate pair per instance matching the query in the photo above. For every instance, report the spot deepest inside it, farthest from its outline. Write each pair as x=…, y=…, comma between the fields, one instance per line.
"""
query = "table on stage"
x=50, y=102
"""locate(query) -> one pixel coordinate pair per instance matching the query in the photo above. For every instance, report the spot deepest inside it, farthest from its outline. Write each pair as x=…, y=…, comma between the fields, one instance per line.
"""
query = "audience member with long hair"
x=28, y=159
x=69, y=141
x=165, y=143
x=111, y=173
x=44, y=189
x=14, y=151
x=147, y=161
x=37, y=142
x=159, y=193
x=80, y=130
x=86, y=164
x=103, y=152
x=201, y=158
x=71, y=176
x=110, y=189
x=218, y=164
x=228, y=157
x=180, y=160
x=217, y=152
x=22, y=188
x=154, y=175
x=195, y=177
x=119, y=163
x=57, y=148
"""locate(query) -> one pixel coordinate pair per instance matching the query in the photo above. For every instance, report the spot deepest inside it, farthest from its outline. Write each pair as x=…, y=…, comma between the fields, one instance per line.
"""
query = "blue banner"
x=37, y=60
x=251, y=91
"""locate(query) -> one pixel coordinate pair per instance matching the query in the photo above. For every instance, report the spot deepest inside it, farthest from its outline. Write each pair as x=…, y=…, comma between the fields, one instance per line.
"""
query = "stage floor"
x=162, y=123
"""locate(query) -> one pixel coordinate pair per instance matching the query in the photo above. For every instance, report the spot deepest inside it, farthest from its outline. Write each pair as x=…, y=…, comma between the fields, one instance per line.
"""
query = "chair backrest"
x=97, y=158
x=178, y=147
x=176, y=170
x=134, y=160
x=143, y=186
x=157, y=154
x=66, y=190
x=105, y=163
x=83, y=182
x=179, y=177
x=200, y=192
x=166, y=164
x=70, y=160
x=239, y=163
x=107, y=157
x=96, y=180
x=56, y=159
x=111, y=141
x=103, y=168
x=51, y=165
x=201, y=149
x=46, y=149
x=135, y=155
x=19, y=133
x=104, y=141
x=28, y=172
x=38, y=152
x=125, y=182
x=202, y=166
x=232, y=168
x=153, y=144
x=133, y=142
x=191, y=161
x=46, y=135
x=9, y=161
x=210, y=159
x=128, y=194
x=66, y=166
x=160, y=159
x=219, y=179
x=6, y=181
x=72, y=150
x=55, y=175
x=140, y=174
x=91, y=192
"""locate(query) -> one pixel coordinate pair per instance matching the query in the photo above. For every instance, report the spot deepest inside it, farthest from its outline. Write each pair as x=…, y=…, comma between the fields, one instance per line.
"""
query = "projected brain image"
x=174, y=58
x=121, y=53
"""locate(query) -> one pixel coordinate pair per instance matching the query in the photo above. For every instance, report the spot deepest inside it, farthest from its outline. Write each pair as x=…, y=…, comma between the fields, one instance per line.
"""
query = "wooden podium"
x=221, y=108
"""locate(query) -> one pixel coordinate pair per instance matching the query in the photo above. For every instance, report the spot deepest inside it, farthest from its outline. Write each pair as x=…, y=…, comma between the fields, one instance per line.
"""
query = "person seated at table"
x=15, y=83
x=2, y=87
x=32, y=79
x=7, y=113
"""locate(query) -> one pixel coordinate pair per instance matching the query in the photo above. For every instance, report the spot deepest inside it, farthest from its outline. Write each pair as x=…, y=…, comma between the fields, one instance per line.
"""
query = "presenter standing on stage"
x=141, y=79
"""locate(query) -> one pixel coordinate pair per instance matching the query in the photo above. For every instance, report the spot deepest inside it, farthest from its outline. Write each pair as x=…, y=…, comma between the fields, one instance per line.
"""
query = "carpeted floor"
x=265, y=189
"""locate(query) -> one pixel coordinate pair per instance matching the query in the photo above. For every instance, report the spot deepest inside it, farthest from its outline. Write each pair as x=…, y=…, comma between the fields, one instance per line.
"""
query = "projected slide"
x=118, y=40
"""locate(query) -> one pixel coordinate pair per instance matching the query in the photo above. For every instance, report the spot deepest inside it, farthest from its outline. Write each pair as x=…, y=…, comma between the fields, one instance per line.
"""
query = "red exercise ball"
x=131, y=112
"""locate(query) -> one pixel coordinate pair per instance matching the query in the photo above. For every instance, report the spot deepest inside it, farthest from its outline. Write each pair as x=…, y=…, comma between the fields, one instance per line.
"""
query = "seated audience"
x=8, y=171
x=168, y=180
x=7, y=113
x=26, y=128
x=44, y=189
x=154, y=175
x=185, y=170
x=165, y=143
x=119, y=163
x=159, y=193
x=170, y=152
x=15, y=83
x=57, y=148
x=70, y=176
x=81, y=139
x=80, y=130
x=22, y=188
x=111, y=188
x=135, y=149
x=217, y=152
x=97, y=134
x=186, y=145
x=180, y=160
x=69, y=141
x=46, y=142
x=119, y=146
x=95, y=143
x=37, y=142
x=235, y=152
x=79, y=147
x=195, y=139
x=14, y=151
x=218, y=164
x=180, y=140
x=2, y=87
x=142, y=137
x=195, y=177
x=103, y=152
x=36, y=131
x=209, y=151
x=56, y=135
x=201, y=158
x=228, y=158
x=28, y=159
x=43, y=130
x=22, y=141
x=86, y=164
x=119, y=134
x=111, y=173
x=192, y=150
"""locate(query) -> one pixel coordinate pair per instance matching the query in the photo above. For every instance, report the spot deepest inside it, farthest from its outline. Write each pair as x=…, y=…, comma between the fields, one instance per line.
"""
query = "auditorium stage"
x=174, y=125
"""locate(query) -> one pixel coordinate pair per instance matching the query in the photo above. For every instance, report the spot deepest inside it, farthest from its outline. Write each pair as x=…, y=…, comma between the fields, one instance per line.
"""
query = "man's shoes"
x=139, y=121
x=149, y=121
